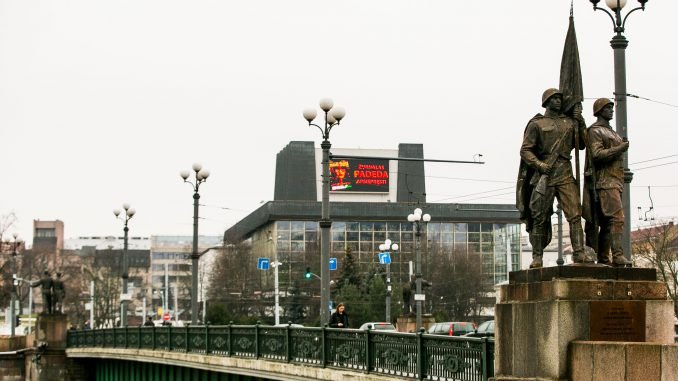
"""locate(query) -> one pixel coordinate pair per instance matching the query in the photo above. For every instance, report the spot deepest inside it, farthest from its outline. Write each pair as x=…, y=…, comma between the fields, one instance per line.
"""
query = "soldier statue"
x=59, y=293
x=603, y=185
x=546, y=173
x=46, y=284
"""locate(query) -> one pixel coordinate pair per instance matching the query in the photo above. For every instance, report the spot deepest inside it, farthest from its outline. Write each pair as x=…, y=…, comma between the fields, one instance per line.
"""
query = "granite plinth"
x=52, y=329
x=576, y=271
x=541, y=311
x=408, y=323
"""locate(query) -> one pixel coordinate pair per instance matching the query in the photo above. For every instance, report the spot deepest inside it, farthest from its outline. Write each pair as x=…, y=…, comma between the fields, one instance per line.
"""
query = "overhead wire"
x=655, y=159
x=643, y=98
x=651, y=100
x=655, y=166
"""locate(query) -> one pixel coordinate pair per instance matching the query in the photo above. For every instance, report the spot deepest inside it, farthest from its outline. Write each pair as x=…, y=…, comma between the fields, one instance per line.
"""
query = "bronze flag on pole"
x=570, y=70
x=571, y=83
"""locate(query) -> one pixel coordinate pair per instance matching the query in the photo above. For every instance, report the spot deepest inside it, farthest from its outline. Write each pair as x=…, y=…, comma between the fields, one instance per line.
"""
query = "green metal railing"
x=418, y=356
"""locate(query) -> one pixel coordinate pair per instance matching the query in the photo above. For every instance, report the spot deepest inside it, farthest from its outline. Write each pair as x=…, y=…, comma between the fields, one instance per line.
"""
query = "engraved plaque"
x=622, y=320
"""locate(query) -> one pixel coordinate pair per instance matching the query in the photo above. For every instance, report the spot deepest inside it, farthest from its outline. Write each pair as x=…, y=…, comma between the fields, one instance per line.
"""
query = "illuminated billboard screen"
x=359, y=175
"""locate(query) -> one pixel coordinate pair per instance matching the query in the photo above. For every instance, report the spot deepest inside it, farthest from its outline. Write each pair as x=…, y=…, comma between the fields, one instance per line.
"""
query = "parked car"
x=292, y=325
x=378, y=326
x=452, y=328
x=485, y=329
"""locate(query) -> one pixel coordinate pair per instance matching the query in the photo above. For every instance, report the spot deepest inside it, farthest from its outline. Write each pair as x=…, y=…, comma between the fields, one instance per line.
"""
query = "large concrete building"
x=169, y=276
x=370, y=199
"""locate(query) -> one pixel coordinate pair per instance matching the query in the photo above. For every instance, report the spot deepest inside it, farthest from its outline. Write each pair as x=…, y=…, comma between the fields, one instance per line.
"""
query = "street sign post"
x=262, y=263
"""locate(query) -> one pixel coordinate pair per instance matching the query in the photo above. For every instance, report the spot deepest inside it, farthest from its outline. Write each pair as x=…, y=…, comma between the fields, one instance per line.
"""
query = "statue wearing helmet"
x=602, y=207
x=546, y=174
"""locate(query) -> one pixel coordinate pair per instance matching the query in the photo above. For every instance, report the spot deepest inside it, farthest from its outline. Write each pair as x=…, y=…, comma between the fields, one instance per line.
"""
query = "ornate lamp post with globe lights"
x=333, y=116
x=619, y=44
x=201, y=175
x=129, y=213
x=416, y=218
x=388, y=246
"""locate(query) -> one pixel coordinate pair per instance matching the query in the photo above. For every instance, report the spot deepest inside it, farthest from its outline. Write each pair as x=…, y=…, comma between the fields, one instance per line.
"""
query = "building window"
x=44, y=232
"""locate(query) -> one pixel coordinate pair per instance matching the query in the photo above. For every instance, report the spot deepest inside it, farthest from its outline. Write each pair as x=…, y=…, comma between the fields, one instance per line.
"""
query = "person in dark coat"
x=339, y=318
x=149, y=322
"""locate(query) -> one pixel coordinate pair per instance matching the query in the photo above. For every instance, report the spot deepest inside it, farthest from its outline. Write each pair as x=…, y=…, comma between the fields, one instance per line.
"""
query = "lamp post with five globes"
x=416, y=218
x=129, y=213
x=333, y=116
x=201, y=175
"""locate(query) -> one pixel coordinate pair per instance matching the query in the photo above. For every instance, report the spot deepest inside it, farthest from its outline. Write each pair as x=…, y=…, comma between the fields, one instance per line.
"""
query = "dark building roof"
x=296, y=196
x=368, y=211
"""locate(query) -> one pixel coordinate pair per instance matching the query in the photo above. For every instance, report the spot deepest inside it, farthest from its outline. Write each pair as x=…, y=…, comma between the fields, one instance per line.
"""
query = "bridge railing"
x=418, y=356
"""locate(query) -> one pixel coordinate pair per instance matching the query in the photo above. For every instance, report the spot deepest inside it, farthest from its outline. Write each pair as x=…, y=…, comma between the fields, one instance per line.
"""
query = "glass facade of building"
x=497, y=244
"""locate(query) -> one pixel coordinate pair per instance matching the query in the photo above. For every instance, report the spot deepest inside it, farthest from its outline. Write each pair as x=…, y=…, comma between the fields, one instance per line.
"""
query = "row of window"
x=171, y=267
x=159, y=255
x=432, y=227
x=494, y=242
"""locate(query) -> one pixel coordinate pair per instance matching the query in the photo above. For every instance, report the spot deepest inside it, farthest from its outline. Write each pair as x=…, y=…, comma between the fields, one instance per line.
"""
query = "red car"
x=452, y=328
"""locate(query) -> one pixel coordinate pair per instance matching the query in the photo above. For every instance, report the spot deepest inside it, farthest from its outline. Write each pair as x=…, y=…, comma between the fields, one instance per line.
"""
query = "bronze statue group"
x=546, y=174
x=53, y=293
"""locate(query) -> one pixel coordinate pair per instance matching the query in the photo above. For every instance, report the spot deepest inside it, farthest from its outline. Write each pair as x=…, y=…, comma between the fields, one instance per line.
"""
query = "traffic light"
x=308, y=274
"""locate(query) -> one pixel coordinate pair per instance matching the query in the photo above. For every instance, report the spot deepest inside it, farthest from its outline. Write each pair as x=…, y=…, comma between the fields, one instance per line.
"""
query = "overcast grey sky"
x=104, y=102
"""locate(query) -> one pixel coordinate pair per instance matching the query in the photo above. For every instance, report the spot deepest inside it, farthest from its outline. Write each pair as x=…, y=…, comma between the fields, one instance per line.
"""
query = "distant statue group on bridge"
x=53, y=293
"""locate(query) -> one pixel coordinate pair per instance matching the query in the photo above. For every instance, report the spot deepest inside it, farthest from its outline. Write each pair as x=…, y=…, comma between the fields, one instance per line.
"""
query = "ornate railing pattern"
x=418, y=356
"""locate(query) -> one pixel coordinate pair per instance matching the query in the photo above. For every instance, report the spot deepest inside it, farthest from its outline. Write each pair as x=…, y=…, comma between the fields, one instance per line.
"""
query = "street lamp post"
x=275, y=265
x=416, y=218
x=129, y=213
x=201, y=175
x=384, y=247
x=619, y=44
x=333, y=116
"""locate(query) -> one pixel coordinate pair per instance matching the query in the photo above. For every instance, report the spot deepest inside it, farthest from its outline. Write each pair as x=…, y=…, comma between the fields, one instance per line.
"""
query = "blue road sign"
x=333, y=264
x=262, y=263
x=385, y=258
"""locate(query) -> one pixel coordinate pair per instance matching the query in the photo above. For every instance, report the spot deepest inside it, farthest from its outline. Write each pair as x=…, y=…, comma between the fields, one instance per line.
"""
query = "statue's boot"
x=618, y=258
x=579, y=255
x=604, y=249
x=537, y=240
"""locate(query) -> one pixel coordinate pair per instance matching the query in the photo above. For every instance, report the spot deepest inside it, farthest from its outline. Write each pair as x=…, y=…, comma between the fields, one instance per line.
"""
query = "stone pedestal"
x=408, y=323
x=541, y=311
x=52, y=330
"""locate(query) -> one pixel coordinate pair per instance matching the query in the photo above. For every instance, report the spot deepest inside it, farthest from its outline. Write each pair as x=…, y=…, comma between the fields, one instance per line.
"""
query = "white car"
x=378, y=326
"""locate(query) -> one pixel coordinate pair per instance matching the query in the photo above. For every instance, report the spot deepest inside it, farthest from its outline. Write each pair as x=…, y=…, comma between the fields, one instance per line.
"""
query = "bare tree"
x=657, y=247
x=6, y=249
x=234, y=281
x=458, y=288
